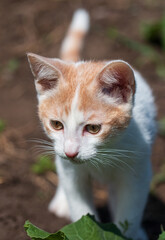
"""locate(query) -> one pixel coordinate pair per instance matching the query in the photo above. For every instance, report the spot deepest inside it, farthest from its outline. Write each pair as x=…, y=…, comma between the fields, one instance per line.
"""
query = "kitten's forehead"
x=75, y=101
x=81, y=72
x=75, y=117
x=77, y=80
x=81, y=79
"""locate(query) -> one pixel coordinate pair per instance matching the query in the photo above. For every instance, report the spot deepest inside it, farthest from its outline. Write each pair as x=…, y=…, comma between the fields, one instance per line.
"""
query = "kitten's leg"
x=130, y=198
x=75, y=181
x=112, y=199
x=59, y=205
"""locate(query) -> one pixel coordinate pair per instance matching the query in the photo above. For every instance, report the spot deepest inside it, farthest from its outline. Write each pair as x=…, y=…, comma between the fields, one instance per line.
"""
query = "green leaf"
x=125, y=225
x=84, y=229
x=88, y=228
x=36, y=233
x=162, y=236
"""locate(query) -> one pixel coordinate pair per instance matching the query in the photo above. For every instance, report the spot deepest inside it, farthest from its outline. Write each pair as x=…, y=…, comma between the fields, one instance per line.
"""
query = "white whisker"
x=44, y=147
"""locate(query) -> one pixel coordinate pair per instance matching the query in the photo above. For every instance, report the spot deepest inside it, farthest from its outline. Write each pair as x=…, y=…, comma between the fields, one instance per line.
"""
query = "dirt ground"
x=39, y=26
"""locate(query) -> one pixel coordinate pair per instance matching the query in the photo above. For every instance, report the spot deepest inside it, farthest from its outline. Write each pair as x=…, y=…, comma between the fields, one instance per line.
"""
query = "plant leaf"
x=84, y=229
x=36, y=233
x=88, y=228
x=162, y=236
x=44, y=163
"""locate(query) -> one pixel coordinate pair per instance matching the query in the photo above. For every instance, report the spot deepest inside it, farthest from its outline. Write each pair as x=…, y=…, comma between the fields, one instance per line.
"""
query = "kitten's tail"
x=73, y=42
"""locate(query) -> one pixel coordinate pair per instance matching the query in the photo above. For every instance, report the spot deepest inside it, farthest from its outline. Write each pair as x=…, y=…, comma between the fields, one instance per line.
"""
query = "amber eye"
x=56, y=124
x=93, y=129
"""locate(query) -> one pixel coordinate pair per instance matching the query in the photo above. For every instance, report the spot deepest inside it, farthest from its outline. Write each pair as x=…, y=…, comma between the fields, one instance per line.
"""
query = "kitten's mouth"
x=75, y=161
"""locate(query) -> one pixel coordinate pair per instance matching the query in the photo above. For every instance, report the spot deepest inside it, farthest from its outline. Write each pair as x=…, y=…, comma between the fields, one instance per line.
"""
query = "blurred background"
x=123, y=29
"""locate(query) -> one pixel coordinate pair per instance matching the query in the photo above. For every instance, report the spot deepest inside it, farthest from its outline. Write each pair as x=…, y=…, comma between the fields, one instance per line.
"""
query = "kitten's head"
x=82, y=104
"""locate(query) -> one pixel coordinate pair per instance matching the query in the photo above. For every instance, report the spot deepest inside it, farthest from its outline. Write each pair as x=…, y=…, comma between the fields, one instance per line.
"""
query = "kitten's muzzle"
x=71, y=155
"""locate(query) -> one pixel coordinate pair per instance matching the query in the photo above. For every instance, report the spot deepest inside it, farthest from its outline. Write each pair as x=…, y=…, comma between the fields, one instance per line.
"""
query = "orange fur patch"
x=94, y=109
x=72, y=53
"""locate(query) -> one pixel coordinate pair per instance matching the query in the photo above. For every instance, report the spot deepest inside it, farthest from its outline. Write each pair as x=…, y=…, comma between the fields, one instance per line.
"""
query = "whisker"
x=112, y=163
x=117, y=154
x=117, y=163
x=104, y=163
x=42, y=141
x=44, y=147
x=118, y=150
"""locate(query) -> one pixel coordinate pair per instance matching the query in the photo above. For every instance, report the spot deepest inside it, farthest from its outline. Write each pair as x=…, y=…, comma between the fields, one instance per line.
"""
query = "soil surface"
x=39, y=26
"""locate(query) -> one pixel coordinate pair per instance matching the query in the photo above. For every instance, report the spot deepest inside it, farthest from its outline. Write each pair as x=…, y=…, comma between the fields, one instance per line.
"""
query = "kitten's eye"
x=93, y=129
x=56, y=124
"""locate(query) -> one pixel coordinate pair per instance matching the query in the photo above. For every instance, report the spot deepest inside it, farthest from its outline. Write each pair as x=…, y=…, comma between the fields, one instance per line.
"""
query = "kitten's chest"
x=102, y=173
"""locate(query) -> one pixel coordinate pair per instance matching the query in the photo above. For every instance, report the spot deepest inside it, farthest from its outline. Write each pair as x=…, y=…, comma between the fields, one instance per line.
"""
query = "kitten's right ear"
x=45, y=73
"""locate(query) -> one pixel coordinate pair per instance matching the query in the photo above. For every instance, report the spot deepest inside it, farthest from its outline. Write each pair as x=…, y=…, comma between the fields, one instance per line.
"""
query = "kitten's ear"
x=117, y=82
x=45, y=73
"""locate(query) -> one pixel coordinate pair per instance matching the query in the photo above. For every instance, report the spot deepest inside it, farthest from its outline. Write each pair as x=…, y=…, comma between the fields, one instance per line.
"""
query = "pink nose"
x=71, y=155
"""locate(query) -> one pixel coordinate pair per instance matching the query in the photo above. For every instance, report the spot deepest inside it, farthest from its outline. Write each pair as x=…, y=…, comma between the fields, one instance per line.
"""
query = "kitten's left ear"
x=45, y=72
x=117, y=82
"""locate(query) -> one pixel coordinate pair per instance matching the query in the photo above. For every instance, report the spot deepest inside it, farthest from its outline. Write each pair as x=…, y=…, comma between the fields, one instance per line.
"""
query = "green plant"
x=84, y=229
x=87, y=228
x=43, y=164
x=12, y=65
x=158, y=179
x=154, y=32
x=162, y=235
x=125, y=225
x=2, y=125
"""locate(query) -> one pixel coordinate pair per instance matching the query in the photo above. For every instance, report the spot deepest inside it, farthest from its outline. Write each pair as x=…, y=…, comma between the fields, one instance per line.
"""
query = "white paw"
x=59, y=205
x=140, y=235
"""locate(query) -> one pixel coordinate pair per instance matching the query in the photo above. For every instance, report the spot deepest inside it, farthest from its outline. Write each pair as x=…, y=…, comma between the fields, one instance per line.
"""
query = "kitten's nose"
x=71, y=155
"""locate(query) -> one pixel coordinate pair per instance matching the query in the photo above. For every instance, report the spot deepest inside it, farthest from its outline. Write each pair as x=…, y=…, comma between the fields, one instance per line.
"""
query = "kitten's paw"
x=60, y=209
x=59, y=206
x=140, y=235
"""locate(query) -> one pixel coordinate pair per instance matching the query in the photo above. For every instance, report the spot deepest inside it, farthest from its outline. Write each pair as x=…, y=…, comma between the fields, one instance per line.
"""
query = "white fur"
x=130, y=178
x=80, y=21
x=59, y=204
x=72, y=142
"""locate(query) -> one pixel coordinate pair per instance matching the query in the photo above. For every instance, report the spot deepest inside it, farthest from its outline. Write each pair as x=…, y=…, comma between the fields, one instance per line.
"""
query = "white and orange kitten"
x=100, y=117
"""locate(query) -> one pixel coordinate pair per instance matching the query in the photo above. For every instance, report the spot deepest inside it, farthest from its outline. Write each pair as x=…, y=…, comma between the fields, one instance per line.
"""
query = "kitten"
x=100, y=117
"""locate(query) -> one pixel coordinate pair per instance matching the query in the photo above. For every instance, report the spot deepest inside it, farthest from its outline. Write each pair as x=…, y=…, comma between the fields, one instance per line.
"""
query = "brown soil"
x=39, y=26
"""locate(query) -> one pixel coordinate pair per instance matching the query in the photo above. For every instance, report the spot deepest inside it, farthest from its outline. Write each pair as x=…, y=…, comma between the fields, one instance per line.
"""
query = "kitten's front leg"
x=130, y=199
x=75, y=181
x=59, y=205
